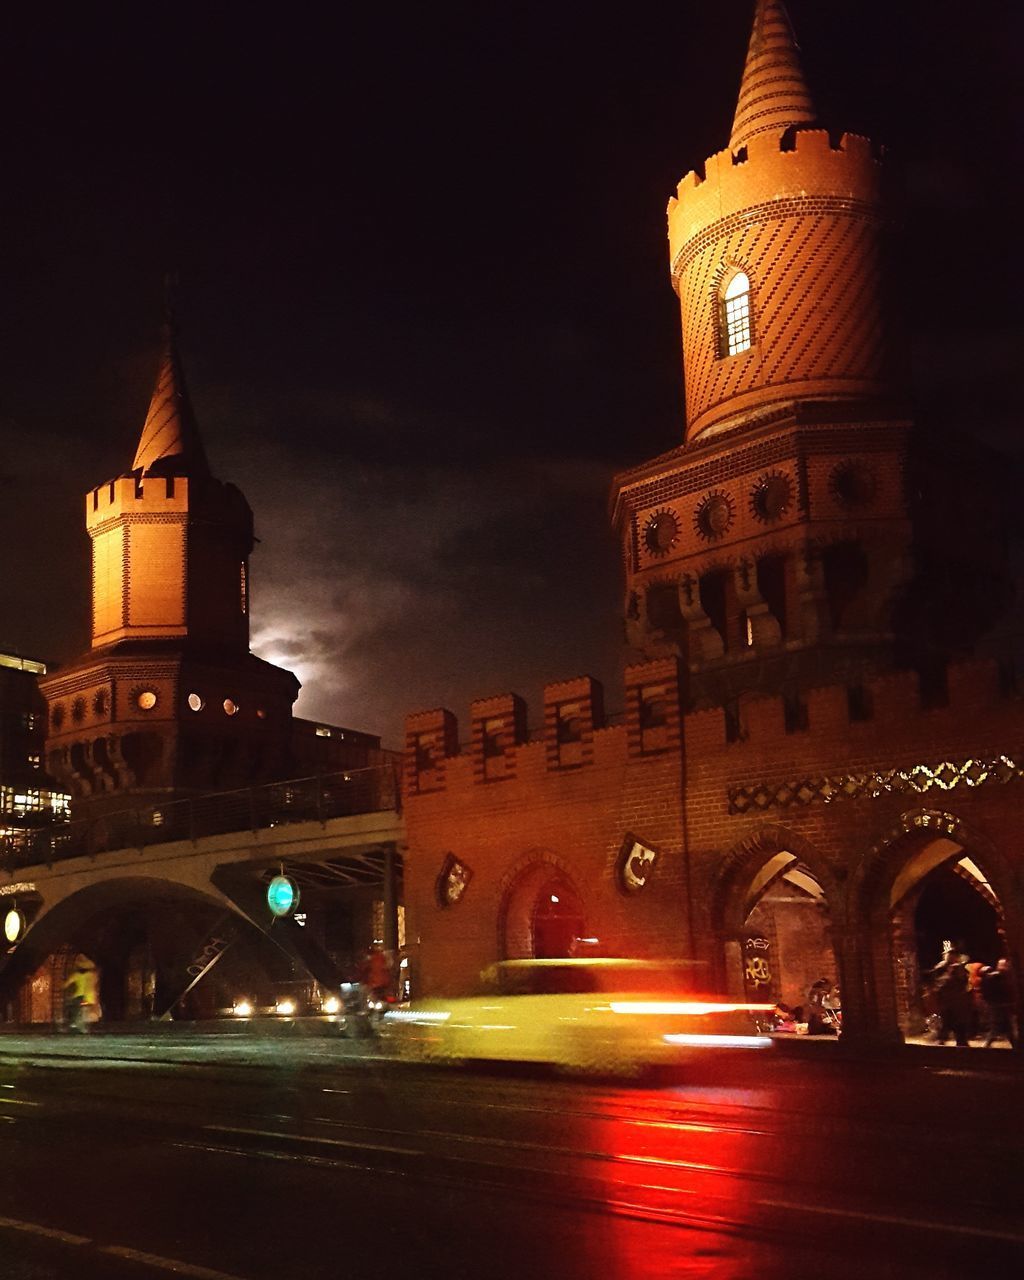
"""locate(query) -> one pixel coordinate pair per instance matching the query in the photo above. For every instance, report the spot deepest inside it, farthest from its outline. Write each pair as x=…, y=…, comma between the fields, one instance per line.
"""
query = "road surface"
x=232, y=1157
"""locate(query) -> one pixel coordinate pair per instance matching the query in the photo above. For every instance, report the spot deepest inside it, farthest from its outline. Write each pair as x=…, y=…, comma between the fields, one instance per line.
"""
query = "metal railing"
x=333, y=795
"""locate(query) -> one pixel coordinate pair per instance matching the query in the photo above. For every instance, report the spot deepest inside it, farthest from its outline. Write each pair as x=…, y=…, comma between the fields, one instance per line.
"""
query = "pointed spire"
x=773, y=92
x=170, y=438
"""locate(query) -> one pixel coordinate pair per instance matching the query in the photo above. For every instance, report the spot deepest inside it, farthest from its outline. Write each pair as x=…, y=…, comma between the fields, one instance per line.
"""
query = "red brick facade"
x=787, y=765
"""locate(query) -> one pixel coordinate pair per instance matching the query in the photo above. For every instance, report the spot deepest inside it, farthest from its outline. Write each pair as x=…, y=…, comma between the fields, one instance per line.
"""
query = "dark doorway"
x=951, y=909
x=557, y=921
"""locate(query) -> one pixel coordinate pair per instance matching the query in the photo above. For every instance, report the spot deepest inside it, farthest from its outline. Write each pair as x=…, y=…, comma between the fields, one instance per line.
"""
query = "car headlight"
x=286, y=1008
x=331, y=1005
x=242, y=1009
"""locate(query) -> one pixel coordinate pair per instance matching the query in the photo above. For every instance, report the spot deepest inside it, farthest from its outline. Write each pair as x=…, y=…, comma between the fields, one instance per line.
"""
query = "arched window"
x=736, y=315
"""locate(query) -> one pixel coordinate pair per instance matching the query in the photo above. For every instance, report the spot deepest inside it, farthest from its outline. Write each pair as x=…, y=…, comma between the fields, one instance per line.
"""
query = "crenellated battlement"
x=803, y=165
x=899, y=712
x=574, y=719
x=135, y=494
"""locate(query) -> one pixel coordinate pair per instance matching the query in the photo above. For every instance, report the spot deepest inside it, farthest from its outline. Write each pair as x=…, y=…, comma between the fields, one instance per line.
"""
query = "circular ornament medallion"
x=852, y=484
x=772, y=497
x=661, y=533
x=714, y=515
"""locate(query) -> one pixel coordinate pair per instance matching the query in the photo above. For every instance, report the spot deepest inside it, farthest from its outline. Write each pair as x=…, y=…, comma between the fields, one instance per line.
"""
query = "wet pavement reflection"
x=317, y=1168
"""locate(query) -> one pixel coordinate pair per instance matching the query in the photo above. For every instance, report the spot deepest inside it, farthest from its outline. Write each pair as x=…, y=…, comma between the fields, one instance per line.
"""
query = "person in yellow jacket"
x=81, y=996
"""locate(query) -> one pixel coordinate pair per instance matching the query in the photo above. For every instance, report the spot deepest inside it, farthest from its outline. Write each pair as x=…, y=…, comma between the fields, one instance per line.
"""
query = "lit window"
x=195, y=702
x=244, y=589
x=230, y=707
x=736, y=315
x=146, y=700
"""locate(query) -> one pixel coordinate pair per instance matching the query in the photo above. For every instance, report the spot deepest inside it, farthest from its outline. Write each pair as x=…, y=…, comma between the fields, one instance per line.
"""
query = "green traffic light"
x=282, y=896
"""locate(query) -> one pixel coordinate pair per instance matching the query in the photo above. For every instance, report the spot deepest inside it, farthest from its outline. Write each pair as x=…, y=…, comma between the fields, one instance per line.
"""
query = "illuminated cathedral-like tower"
x=168, y=698
x=768, y=549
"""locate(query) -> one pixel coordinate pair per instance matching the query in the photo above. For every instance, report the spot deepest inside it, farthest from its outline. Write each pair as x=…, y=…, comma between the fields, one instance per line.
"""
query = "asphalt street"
x=244, y=1158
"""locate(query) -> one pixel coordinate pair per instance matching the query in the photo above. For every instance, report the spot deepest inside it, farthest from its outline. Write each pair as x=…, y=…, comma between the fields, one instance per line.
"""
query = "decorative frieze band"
x=917, y=780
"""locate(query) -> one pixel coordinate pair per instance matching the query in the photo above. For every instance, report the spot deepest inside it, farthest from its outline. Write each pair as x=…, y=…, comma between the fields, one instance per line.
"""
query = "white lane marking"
x=335, y=1090
x=323, y=1141
x=18, y=1102
x=37, y=1229
x=291, y=1157
x=919, y=1224
x=117, y=1250
x=166, y=1264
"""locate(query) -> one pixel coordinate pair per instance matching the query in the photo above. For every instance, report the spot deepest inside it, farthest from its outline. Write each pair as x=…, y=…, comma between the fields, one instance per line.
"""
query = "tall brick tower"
x=168, y=698
x=768, y=548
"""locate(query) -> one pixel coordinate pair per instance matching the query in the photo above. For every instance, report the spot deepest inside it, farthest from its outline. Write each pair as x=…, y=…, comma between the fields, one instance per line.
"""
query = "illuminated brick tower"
x=769, y=548
x=168, y=698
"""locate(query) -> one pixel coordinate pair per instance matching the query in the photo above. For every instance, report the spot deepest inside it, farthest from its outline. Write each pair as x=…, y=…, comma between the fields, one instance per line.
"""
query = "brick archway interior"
x=914, y=952
x=785, y=942
x=542, y=914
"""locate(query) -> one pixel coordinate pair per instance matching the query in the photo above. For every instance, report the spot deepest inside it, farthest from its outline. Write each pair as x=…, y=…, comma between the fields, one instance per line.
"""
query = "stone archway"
x=773, y=910
x=142, y=934
x=934, y=880
x=542, y=911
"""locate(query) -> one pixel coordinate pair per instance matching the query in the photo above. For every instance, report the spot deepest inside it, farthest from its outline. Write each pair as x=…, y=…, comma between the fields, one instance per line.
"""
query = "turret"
x=769, y=550
x=170, y=544
x=775, y=251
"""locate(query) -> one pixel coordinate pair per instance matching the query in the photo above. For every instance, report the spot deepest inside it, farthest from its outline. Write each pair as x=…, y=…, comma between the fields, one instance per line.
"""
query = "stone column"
x=705, y=644
x=810, y=584
x=868, y=1022
x=390, y=901
x=765, y=631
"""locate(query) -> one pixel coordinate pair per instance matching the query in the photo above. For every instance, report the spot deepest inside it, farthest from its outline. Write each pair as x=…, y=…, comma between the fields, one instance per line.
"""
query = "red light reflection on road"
x=673, y=1177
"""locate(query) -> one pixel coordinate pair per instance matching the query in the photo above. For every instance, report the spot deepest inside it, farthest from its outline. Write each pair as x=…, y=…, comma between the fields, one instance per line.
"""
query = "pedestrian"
x=819, y=1023
x=376, y=974
x=81, y=996
x=1000, y=996
x=975, y=969
x=953, y=996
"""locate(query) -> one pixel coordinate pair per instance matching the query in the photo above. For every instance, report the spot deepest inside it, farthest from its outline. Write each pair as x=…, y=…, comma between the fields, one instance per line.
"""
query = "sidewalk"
x=300, y=1042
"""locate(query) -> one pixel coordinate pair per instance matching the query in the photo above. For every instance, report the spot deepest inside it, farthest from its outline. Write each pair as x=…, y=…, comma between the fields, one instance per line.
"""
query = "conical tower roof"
x=773, y=92
x=170, y=438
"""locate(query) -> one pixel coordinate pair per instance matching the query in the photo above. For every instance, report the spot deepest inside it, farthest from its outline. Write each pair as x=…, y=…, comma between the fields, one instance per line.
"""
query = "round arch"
x=75, y=924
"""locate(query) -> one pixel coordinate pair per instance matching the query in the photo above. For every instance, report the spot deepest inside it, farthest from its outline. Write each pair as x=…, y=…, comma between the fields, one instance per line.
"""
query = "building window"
x=230, y=707
x=244, y=588
x=736, y=315
x=146, y=700
x=196, y=702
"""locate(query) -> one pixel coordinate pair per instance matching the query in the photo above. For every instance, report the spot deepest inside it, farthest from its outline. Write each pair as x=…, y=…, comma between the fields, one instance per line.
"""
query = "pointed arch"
x=887, y=893
x=538, y=874
x=742, y=872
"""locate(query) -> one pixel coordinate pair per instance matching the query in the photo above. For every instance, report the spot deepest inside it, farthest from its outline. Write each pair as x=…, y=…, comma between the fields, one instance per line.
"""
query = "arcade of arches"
x=782, y=930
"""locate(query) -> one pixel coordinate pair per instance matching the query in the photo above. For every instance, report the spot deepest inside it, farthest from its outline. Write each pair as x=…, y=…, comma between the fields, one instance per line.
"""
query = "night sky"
x=424, y=302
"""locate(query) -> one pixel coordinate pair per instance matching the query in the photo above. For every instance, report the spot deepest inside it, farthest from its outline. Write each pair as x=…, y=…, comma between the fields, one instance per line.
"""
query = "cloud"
x=389, y=588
